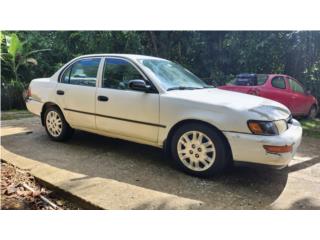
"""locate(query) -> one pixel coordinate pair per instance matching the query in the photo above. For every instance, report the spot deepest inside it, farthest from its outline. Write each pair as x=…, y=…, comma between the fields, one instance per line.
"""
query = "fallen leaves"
x=10, y=190
x=20, y=190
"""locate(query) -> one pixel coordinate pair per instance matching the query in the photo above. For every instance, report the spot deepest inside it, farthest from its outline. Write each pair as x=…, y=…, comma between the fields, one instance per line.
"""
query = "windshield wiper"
x=182, y=88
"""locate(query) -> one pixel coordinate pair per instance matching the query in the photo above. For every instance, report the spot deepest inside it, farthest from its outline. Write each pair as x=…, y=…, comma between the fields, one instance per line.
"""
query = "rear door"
x=76, y=92
x=298, y=99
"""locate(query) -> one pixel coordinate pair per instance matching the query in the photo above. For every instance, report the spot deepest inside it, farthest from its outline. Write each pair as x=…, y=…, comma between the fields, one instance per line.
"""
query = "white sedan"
x=157, y=102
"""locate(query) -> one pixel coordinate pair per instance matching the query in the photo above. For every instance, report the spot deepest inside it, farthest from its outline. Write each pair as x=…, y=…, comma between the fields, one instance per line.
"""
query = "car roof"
x=269, y=74
x=276, y=74
x=129, y=56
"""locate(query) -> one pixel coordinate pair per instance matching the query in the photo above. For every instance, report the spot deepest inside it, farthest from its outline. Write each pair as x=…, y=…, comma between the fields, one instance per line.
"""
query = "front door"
x=121, y=110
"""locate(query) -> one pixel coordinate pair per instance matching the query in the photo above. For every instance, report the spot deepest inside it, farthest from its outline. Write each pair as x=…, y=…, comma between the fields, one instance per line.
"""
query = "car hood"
x=221, y=100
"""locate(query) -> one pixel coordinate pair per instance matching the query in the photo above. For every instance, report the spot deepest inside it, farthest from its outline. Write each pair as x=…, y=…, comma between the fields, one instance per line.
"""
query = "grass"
x=311, y=128
x=15, y=114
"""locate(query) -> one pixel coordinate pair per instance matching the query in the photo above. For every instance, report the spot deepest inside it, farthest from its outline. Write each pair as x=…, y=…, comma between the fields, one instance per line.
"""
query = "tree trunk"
x=154, y=42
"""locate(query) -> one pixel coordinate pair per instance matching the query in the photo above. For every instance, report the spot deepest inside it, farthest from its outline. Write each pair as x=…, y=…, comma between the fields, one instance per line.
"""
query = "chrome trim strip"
x=116, y=118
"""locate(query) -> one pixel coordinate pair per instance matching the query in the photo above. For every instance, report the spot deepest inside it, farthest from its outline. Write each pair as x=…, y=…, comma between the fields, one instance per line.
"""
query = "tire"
x=56, y=126
x=200, y=158
x=313, y=112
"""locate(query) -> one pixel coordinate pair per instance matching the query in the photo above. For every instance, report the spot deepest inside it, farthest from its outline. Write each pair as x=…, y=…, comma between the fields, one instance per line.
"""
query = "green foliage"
x=16, y=54
x=1, y=37
x=209, y=54
x=11, y=95
x=14, y=45
x=311, y=127
x=213, y=55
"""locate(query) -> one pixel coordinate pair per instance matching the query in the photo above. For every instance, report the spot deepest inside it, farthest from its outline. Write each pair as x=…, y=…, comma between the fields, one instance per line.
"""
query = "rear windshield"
x=249, y=80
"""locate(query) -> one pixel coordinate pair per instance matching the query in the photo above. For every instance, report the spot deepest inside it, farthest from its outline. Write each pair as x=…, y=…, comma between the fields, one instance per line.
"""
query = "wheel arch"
x=167, y=142
x=44, y=107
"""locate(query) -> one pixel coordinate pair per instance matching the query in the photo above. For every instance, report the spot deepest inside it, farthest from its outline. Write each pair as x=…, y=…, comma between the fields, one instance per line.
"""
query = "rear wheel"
x=56, y=126
x=199, y=150
x=313, y=112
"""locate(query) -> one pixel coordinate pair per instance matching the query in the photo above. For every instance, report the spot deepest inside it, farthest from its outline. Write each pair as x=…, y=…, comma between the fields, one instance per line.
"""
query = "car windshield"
x=249, y=80
x=172, y=76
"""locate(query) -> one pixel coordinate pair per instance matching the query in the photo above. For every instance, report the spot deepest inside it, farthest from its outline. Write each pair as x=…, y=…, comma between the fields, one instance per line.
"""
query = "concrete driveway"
x=116, y=174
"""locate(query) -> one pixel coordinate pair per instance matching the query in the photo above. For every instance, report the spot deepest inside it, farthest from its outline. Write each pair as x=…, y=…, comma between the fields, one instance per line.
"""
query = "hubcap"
x=196, y=151
x=54, y=123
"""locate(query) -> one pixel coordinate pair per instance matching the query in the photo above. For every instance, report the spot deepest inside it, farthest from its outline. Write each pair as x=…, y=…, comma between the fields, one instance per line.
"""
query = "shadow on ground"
x=144, y=166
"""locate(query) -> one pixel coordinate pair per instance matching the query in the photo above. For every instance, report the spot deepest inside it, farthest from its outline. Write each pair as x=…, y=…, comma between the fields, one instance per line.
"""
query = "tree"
x=211, y=55
x=17, y=54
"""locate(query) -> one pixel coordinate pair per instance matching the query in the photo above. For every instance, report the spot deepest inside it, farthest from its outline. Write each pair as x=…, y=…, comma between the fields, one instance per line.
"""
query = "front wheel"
x=199, y=150
x=56, y=126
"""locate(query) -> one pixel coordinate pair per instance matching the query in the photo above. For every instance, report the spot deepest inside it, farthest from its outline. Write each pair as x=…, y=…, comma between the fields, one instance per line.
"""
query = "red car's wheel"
x=313, y=112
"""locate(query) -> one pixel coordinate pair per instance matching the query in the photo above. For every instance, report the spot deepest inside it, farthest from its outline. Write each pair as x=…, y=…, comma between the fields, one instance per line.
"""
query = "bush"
x=12, y=95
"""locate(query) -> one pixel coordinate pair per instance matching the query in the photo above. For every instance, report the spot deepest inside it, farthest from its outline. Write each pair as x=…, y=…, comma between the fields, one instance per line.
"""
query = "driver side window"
x=118, y=73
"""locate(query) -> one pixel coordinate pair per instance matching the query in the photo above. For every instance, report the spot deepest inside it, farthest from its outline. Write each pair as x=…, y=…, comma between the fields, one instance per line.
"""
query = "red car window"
x=249, y=80
x=262, y=78
x=295, y=87
x=278, y=82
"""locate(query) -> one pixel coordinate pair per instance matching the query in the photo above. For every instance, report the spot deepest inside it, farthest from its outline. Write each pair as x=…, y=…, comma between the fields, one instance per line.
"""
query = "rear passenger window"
x=261, y=78
x=278, y=82
x=66, y=76
x=83, y=72
x=295, y=87
x=249, y=79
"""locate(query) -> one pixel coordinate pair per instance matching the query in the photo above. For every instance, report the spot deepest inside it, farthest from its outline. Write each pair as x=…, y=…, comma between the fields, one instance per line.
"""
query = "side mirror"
x=139, y=85
x=308, y=92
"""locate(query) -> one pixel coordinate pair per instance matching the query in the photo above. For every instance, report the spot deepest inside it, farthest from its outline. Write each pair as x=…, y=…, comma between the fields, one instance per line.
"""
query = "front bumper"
x=249, y=148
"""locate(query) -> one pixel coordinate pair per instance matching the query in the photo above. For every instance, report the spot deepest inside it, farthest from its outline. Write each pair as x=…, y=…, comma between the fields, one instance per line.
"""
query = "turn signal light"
x=278, y=149
x=255, y=127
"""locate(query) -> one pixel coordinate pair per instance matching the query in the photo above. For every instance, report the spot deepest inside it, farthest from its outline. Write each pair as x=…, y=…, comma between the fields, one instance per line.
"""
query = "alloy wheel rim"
x=196, y=150
x=54, y=123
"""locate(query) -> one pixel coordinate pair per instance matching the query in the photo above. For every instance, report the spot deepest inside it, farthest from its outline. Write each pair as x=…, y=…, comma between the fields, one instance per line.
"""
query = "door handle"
x=60, y=92
x=103, y=98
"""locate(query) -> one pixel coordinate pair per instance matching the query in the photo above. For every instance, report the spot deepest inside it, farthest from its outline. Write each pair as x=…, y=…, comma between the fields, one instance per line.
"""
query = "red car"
x=278, y=87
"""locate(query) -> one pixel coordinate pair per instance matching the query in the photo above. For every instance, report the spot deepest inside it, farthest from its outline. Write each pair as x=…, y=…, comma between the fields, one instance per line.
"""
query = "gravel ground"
x=15, y=196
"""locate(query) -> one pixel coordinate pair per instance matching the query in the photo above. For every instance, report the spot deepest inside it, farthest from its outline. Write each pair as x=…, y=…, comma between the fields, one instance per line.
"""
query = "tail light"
x=29, y=92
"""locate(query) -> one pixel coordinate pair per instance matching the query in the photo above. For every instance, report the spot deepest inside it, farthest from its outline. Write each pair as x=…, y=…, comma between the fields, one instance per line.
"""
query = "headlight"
x=281, y=125
x=267, y=127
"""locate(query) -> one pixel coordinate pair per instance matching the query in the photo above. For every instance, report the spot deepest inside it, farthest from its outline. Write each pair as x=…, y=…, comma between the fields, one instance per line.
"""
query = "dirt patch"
x=20, y=190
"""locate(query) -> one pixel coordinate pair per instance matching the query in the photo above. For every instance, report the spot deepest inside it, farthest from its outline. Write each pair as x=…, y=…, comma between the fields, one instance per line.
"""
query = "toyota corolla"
x=157, y=102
